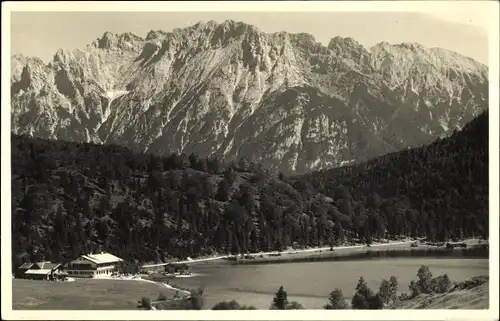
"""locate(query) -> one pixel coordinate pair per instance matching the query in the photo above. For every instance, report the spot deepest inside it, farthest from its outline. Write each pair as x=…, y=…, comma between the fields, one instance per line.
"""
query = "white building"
x=93, y=265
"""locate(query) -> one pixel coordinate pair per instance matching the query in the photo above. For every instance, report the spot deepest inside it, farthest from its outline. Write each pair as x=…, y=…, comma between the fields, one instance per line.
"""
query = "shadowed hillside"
x=71, y=198
x=441, y=190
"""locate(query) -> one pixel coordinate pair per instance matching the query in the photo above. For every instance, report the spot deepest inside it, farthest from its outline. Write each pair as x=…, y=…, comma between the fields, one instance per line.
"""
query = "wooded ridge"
x=72, y=198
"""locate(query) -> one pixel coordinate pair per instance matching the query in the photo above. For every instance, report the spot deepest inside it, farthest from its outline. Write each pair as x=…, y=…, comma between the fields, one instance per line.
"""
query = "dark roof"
x=26, y=265
x=48, y=265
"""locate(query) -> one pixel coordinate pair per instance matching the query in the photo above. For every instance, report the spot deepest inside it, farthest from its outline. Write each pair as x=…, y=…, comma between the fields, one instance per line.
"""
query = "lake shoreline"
x=308, y=251
x=311, y=284
x=367, y=253
x=378, y=250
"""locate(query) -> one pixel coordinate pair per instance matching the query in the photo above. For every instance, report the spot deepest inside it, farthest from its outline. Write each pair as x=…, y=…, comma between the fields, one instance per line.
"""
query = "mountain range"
x=229, y=90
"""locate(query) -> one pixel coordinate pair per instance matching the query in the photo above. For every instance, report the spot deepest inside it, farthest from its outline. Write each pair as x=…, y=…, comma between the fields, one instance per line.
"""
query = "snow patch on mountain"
x=111, y=95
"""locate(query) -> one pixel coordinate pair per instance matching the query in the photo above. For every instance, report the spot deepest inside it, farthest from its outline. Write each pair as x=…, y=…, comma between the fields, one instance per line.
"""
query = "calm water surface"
x=311, y=283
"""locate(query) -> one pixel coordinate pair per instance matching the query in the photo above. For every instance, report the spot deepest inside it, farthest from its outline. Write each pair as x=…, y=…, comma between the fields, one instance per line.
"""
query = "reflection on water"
x=311, y=283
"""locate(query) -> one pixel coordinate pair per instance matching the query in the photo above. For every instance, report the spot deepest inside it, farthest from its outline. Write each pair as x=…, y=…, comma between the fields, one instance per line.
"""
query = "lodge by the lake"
x=93, y=265
x=41, y=271
x=85, y=266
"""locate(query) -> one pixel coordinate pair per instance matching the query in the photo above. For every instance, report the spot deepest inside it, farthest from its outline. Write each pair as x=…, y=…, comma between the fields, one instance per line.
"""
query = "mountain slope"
x=205, y=88
x=446, y=183
x=70, y=198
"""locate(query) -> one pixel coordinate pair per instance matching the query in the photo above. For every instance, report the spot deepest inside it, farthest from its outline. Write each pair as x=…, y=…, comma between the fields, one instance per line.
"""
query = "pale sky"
x=43, y=33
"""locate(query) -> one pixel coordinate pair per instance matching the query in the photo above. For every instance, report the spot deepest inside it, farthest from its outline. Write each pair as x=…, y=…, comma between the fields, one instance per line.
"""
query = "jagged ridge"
x=232, y=91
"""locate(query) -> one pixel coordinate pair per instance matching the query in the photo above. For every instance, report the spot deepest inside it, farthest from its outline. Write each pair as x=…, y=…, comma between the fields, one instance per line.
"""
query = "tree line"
x=364, y=298
x=74, y=198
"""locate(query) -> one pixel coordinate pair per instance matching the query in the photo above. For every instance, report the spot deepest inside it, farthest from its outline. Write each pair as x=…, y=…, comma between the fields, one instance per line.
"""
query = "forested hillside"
x=440, y=190
x=72, y=198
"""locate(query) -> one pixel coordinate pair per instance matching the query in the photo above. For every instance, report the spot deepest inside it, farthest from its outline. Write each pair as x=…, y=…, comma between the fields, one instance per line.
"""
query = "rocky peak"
x=19, y=63
x=344, y=42
x=107, y=41
x=424, y=68
x=351, y=52
x=63, y=57
x=304, y=39
x=233, y=24
x=211, y=24
x=129, y=36
x=412, y=46
x=454, y=60
x=155, y=34
x=231, y=30
x=229, y=90
x=406, y=48
x=34, y=69
x=111, y=41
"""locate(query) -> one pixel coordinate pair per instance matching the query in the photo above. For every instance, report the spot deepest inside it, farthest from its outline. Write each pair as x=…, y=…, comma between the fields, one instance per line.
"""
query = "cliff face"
x=233, y=91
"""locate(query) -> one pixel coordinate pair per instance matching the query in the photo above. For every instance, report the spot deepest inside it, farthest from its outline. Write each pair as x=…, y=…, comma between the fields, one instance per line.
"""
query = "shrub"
x=404, y=296
x=337, y=301
x=441, y=284
x=393, y=285
x=424, y=279
x=385, y=291
x=280, y=300
x=361, y=283
x=375, y=302
x=365, y=298
x=471, y=283
x=146, y=303
x=393, y=288
x=227, y=305
x=359, y=302
x=196, y=299
x=231, y=305
x=414, y=289
x=294, y=305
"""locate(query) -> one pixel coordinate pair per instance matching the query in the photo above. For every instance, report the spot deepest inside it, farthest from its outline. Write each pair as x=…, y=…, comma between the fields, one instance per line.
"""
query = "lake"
x=311, y=283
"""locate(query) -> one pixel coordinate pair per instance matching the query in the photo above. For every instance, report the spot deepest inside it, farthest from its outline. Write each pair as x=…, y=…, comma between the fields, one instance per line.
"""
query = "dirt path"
x=168, y=286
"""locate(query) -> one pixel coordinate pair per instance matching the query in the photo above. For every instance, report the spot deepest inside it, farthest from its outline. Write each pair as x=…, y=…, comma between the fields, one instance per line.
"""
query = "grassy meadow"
x=83, y=294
